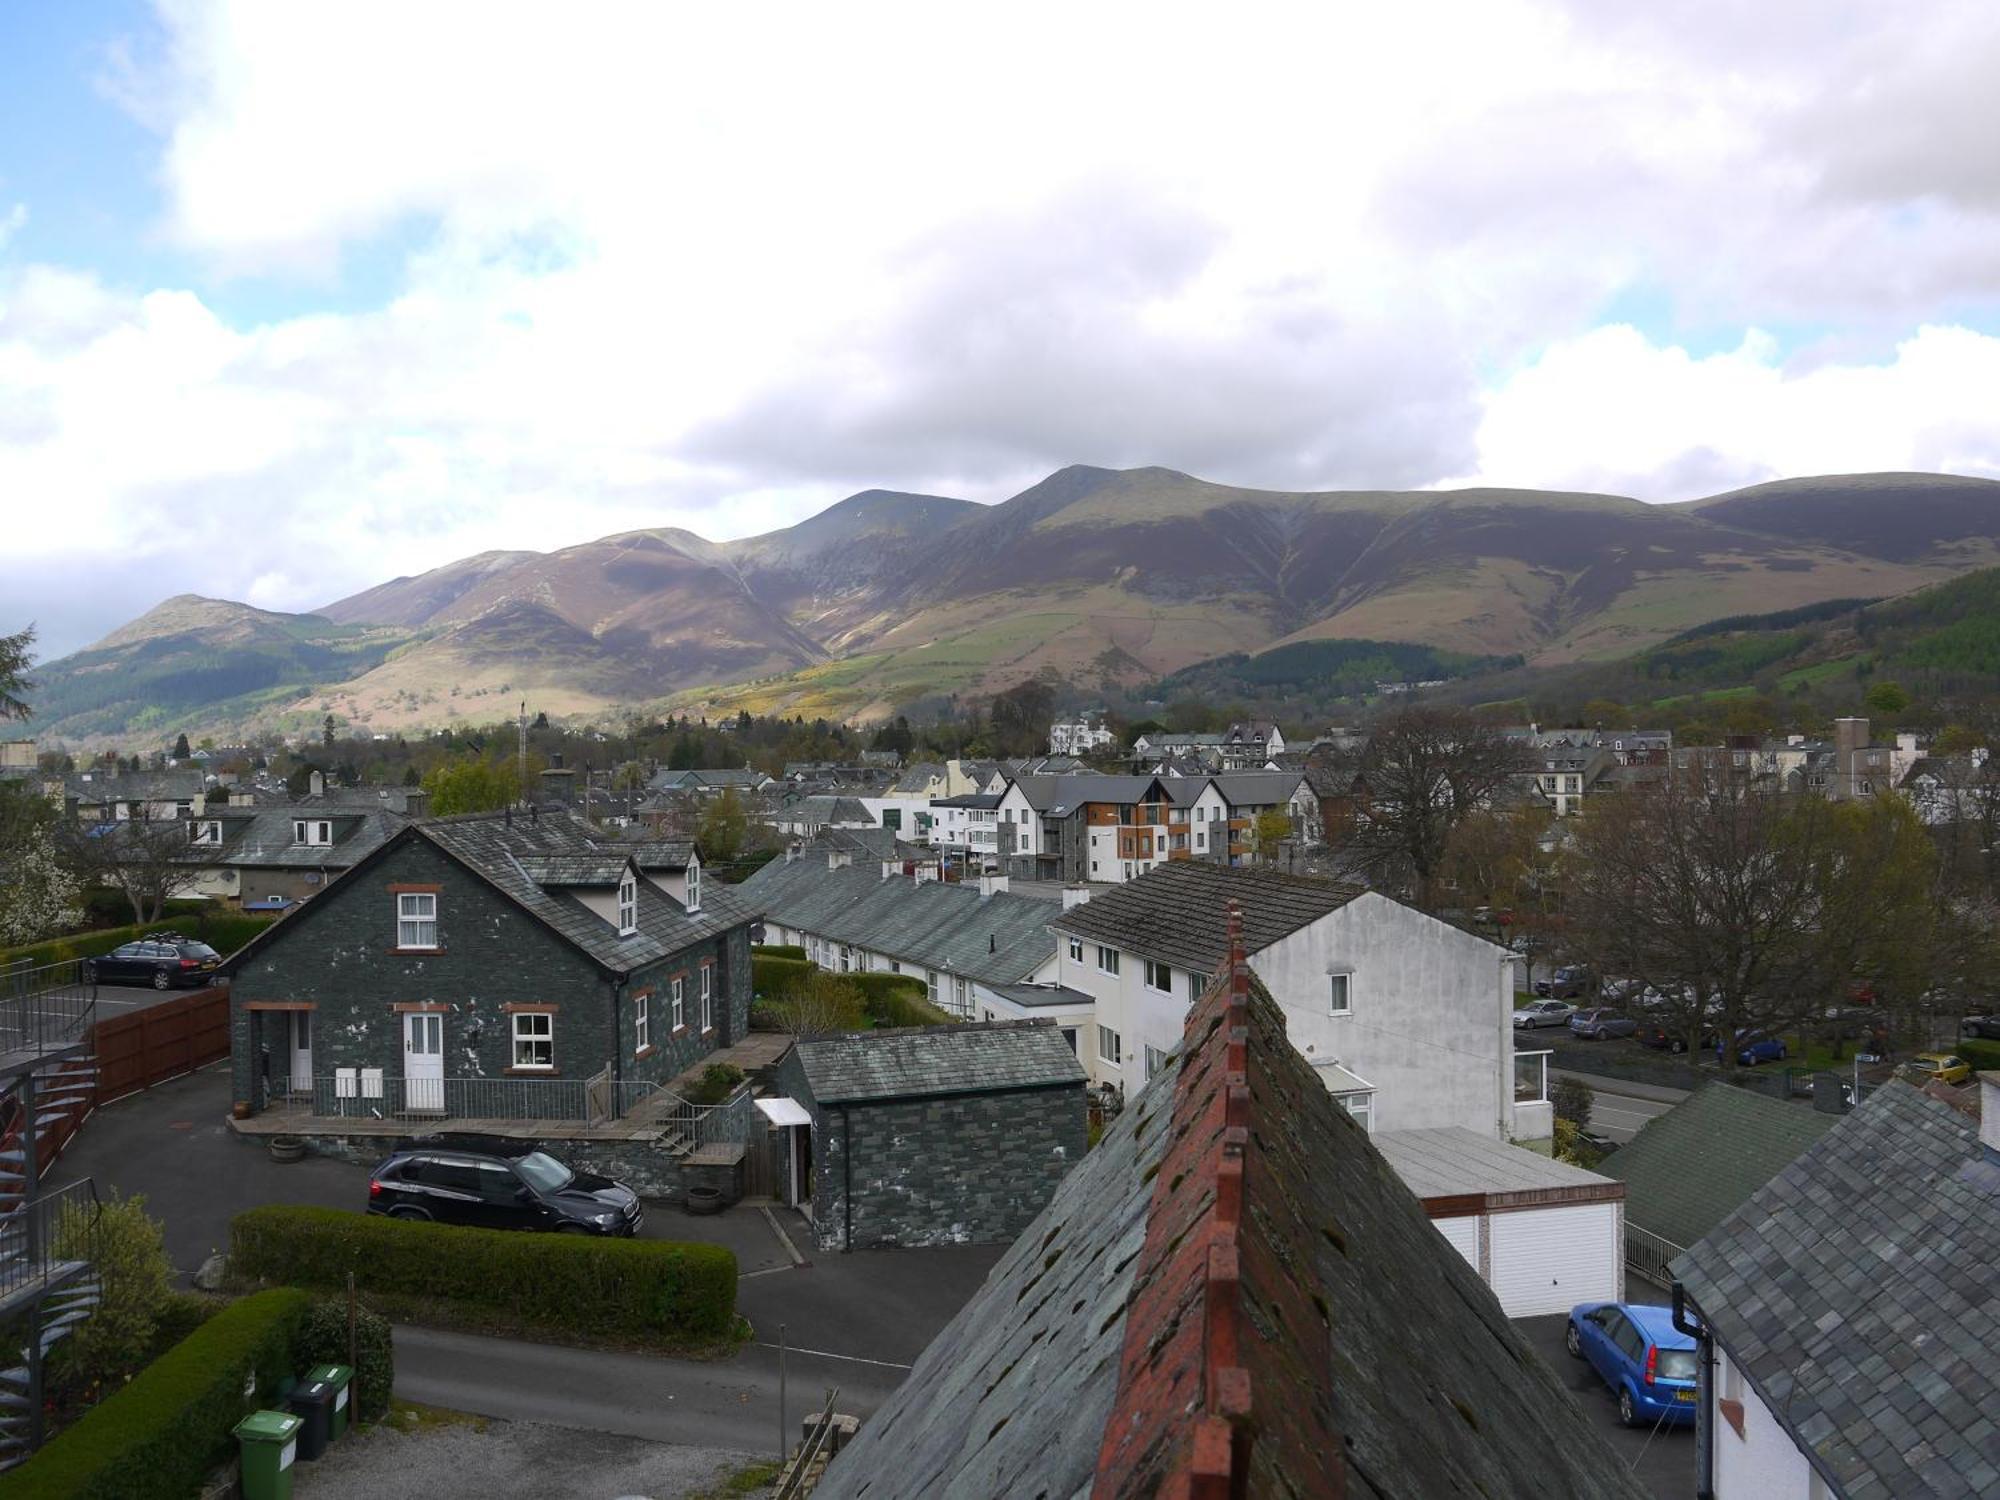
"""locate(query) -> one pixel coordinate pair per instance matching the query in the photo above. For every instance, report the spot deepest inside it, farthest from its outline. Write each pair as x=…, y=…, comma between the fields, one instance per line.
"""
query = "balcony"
x=1534, y=1113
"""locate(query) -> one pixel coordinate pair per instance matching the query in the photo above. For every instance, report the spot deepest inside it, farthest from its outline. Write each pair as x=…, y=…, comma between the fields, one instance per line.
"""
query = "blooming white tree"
x=38, y=893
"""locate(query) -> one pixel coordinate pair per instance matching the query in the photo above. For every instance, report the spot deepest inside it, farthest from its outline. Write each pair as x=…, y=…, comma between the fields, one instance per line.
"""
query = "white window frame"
x=1159, y=979
x=930, y=983
x=1076, y=950
x=1155, y=1061
x=1340, y=992
x=628, y=905
x=642, y=1023
x=707, y=998
x=1361, y=1105
x=1107, y=960
x=677, y=1002
x=533, y=1028
x=1110, y=1046
x=207, y=833
x=846, y=959
x=304, y=829
x=961, y=994
x=412, y=919
x=694, y=885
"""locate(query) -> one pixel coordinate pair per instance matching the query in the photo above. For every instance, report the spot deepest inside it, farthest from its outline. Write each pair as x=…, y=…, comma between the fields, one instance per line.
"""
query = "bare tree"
x=150, y=859
x=1425, y=770
x=1746, y=909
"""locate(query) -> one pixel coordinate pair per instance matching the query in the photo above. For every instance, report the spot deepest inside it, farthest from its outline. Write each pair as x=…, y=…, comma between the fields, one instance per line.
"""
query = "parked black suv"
x=161, y=959
x=491, y=1183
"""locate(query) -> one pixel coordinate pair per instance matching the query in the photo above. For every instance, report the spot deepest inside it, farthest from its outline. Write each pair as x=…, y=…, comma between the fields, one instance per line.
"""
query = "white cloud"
x=715, y=267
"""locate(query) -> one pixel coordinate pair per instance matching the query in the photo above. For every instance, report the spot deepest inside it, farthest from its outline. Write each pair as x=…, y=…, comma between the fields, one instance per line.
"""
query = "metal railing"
x=697, y=1124
x=1649, y=1255
x=817, y=1444
x=369, y=1093
x=46, y=1006
x=46, y=1232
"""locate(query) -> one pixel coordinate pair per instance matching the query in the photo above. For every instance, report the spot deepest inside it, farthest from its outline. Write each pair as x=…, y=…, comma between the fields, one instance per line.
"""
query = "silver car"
x=1541, y=1013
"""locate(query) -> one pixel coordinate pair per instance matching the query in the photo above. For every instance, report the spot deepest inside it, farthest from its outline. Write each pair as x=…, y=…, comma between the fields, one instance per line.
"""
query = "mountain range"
x=887, y=599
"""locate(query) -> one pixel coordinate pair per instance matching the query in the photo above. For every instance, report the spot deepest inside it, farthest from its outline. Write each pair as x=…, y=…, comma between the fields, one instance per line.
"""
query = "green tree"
x=468, y=784
x=126, y=1246
x=1273, y=828
x=326, y=730
x=15, y=653
x=1885, y=699
x=723, y=825
x=1607, y=712
x=181, y=749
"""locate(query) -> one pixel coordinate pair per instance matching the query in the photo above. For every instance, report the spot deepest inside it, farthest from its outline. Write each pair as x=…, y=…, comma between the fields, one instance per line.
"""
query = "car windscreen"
x=1676, y=1364
x=198, y=950
x=543, y=1173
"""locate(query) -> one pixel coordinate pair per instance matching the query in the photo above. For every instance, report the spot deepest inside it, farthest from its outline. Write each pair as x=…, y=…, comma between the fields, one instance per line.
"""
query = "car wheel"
x=1571, y=1342
x=160, y=979
x=405, y=1211
x=1677, y=1045
x=89, y=972
x=1627, y=1413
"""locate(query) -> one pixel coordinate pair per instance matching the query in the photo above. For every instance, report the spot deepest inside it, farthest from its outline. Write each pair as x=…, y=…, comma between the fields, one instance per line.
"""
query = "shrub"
x=717, y=1082
x=1572, y=1098
x=779, y=950
x=160, y=1435
x=222, y=930
x=774, y=978
x=323, y=1341
x=897, y=1000
x=124, y=1243
x=608, y=1286
x=820, y=1005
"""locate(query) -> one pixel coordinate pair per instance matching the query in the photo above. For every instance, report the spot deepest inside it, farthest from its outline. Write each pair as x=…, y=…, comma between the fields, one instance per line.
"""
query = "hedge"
x=772, y=978
x=224, y=932
x=779, y=950
x=897, y=1000
x=163, y=1433
x=323, y=1341
x=586, y=1284
x=1983, y=1056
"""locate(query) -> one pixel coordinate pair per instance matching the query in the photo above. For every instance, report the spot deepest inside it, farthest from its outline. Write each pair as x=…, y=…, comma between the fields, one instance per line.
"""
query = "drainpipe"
x=617, y=1031
x=847, y=1186
x=1704, y=1395
x=1505, y=1087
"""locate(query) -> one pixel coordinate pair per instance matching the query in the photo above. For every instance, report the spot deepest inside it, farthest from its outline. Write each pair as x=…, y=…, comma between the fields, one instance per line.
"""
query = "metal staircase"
x=48, y=1278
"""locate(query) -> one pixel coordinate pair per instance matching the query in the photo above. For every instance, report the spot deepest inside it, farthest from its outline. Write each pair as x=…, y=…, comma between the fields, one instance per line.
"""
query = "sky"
x=294, y=299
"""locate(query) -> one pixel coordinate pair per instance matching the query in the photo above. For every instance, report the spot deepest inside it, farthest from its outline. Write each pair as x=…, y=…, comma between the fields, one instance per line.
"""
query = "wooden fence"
x=150, y=1046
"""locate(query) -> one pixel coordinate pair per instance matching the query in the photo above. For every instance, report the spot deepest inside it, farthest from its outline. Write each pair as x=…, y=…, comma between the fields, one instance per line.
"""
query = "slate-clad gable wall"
x=338, y=958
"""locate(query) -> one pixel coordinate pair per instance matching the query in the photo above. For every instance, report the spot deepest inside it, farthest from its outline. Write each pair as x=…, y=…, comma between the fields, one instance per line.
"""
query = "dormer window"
x=628, y=905
x=207, y=831
x=694, y=885
x=315, y=833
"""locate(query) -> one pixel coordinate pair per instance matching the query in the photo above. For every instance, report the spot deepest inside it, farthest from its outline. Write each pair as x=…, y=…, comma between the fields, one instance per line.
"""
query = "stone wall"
x=958, y=1170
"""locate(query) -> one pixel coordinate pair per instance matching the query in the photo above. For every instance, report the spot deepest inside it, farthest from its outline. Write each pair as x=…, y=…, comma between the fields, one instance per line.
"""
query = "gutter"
x=1704, y=1410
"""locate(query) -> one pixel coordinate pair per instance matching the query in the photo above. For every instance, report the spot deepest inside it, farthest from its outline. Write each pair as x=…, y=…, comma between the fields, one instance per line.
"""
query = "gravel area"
x=491, y=1460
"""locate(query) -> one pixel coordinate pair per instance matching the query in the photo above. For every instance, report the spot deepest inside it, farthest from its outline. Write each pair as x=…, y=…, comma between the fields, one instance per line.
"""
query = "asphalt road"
x=1620, y=1109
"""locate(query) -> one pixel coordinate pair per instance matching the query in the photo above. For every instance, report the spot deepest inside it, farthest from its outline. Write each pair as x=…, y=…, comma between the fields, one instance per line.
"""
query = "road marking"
x=767, y=1271
x=853, y=1359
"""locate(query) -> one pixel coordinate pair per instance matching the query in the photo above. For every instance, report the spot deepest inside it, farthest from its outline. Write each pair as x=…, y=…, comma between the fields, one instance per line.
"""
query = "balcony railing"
x=38, y=1239
x=1649, y=1255
x=45, y=1007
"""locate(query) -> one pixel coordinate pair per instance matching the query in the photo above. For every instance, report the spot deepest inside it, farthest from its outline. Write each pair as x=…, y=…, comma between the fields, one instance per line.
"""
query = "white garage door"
x=1463, y=1235
x=1546, y=1260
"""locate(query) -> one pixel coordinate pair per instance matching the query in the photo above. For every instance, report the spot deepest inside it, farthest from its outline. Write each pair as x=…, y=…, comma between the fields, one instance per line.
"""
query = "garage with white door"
x=1543, y=1234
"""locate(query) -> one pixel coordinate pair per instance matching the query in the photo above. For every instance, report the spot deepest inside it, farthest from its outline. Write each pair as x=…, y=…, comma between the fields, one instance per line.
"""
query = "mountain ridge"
x=888, y=598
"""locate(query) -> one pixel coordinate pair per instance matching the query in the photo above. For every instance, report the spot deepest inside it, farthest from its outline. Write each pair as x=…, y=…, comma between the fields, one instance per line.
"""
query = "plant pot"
x=286, y=1148
x=704, y=1200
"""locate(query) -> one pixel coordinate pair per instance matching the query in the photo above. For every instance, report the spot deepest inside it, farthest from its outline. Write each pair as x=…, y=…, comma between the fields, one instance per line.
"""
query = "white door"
x=302, y=1051
x=1546, y=1260
x=423, y=1062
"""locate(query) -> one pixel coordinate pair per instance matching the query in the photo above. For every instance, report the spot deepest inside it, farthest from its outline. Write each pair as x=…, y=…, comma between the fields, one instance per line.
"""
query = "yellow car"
x=1943, y=1066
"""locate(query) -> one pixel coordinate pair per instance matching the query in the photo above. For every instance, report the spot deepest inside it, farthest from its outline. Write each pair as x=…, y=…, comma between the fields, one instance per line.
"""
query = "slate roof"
x=263, y=836
x=1033, y=996
x=913, y=1062
x=1690, y=1168
x=919, y=776
x=575, y=869
x=831, y=808
x=999, y=940
x=1257, y=788
x=1859, y=1292
x=659, y=854
x=134, y=786
x=1061, y=795
x=1174, y=913
x=1450, y=1161
x=1230, y=1294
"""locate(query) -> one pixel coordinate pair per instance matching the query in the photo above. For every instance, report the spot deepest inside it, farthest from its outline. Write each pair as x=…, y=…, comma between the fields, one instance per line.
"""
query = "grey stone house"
x=464, y=951
x=932, y=1135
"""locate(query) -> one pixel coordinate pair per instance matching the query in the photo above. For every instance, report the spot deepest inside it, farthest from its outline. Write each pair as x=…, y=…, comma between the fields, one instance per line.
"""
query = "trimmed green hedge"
x=779, y=950
x=160, y=1435
x=897, y=1000
x=1982, y=1055
x=774, y=978
x=223, y=932
x=675, y=1291
x=323, y=1341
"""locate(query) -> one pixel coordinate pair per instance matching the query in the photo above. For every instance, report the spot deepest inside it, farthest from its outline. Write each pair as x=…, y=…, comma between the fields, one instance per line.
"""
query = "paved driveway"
x=1663, y=1461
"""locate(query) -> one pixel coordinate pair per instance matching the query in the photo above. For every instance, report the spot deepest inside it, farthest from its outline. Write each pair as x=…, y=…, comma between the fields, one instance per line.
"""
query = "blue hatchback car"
x=1648, y=1363
x=1753, y=1047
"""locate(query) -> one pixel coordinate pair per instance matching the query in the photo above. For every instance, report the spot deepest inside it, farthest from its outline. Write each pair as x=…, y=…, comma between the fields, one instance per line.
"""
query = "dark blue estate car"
x=1648, y=1363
